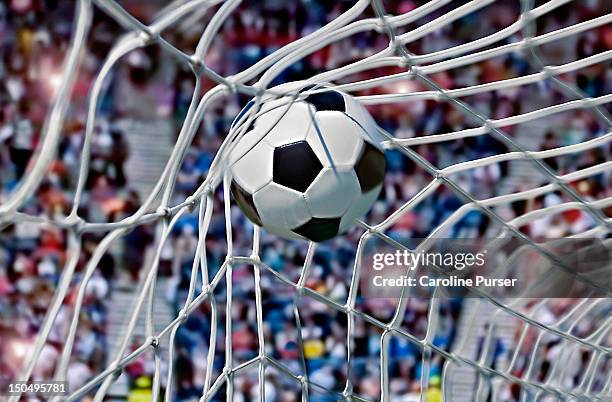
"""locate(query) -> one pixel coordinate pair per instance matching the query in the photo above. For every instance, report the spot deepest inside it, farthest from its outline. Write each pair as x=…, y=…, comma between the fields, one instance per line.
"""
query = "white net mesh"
x=524, y=363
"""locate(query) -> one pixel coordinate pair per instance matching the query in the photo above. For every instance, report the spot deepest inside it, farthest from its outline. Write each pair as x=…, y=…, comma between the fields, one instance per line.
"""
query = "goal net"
x=491, y=172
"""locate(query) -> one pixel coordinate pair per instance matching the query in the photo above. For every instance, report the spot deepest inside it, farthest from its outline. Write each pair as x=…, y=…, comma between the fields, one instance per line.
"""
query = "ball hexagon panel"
x=244, y=145
x=335, y=139
x=245, y=203
x=281, y=207
x=270, y=113
x=370, y=167
x=283, y=120
x=319, y=229
x=332, y=192
x=359, y=208
x=295, y=166
x=360, y=114
x=254, y=169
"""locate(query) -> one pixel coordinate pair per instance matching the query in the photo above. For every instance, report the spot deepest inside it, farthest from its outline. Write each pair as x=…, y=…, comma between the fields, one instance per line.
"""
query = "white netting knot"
x=489, y=124
x=527, y=44
x=164, y=212
x=117, y=373
x=370, y=231
x=382, y=24
x=255, y=259
x=548, y=72
x=75, y=223
x=146, y=37
x=440, y=175
x=183, y=315
x=258, y=89
x=527, y=17
x=231, y=84
x=399, y=49
x=115, y=368
x=412, y=70
x=208, y=189
x=588, y=102
x=191, y=202
x=198, y=66
x=153, y=341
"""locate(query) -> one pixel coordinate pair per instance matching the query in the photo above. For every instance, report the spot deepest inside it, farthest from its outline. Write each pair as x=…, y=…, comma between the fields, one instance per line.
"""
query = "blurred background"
x=145, y=101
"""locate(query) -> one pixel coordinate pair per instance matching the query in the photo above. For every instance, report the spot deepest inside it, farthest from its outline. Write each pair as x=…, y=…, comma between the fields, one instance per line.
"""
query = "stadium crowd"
x=34, y=36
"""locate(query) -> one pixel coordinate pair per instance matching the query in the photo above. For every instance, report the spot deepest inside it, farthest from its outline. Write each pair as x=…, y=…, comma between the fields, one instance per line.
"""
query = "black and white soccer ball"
x=309, y=164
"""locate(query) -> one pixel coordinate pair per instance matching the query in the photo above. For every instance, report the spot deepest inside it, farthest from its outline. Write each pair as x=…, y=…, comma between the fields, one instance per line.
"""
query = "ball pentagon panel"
x=295, y=166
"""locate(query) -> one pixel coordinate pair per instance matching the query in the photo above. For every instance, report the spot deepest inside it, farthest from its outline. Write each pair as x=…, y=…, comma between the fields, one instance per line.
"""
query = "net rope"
x=418, y=67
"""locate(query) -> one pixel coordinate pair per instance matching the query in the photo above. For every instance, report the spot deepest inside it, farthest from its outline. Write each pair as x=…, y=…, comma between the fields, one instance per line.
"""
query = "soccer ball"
x=309, y=164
